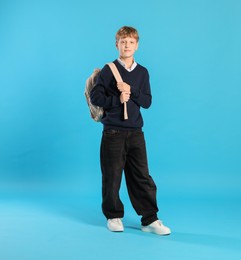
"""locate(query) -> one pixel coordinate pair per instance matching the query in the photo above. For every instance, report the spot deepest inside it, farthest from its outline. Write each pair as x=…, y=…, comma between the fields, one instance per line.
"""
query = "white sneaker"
x=156, y=227
x=115, y=225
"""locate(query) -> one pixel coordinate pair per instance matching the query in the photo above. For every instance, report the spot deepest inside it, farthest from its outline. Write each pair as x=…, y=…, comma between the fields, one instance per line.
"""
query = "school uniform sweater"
x=106, y=94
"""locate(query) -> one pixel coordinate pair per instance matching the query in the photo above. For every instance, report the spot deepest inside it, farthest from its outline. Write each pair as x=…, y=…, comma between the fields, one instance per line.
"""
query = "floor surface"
x=71, y=226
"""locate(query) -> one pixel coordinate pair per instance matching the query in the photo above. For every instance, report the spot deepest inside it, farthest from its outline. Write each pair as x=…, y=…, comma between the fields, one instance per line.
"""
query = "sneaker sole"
x=116, y=230
x=147, y=230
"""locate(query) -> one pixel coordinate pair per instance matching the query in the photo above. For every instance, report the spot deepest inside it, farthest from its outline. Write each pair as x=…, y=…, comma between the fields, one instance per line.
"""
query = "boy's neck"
x=128, y=61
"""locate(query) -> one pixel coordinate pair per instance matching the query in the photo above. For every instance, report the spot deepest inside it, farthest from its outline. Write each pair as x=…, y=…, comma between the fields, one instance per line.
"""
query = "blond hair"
x=127, y=31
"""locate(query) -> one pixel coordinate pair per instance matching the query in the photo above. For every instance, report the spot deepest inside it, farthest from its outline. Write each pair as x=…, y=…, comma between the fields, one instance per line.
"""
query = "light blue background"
x=192, y=49
x=193, y=52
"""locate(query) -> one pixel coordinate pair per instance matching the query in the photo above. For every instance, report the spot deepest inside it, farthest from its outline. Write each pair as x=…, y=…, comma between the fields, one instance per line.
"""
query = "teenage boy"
x=123, y=144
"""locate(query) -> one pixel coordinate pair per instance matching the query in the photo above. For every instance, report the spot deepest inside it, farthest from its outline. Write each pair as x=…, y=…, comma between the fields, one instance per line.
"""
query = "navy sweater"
x=106, y=94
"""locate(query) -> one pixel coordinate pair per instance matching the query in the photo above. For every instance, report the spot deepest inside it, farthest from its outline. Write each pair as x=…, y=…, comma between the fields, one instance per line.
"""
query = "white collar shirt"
x=124, y=65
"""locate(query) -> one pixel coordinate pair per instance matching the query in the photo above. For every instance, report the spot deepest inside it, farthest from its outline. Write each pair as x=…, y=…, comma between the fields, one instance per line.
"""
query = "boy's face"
x=127, y=47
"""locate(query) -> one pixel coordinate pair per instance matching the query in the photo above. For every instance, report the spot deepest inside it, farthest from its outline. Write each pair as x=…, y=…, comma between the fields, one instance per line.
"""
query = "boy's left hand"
x=123, y=87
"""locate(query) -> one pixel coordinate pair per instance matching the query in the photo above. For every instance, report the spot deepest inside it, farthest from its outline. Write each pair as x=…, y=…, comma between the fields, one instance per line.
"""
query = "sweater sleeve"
x=141, y=95
x=101, y=95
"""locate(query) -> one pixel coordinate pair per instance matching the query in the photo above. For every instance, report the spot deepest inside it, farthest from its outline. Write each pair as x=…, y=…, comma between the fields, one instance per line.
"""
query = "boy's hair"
x=127, y=31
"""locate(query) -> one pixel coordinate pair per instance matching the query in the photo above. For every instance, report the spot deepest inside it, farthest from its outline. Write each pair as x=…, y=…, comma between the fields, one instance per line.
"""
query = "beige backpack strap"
x=118, y=79
x=115, y=72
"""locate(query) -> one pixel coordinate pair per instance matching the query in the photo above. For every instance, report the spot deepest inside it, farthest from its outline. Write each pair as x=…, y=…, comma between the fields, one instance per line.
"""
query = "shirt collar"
x=124, y=65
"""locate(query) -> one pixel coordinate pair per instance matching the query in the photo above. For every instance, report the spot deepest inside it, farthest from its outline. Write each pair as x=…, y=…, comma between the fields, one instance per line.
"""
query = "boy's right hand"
x=124, y=97
x=122, y=86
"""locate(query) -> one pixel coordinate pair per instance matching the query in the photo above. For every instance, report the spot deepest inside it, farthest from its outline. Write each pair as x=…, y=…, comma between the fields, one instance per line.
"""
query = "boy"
x=123, y=143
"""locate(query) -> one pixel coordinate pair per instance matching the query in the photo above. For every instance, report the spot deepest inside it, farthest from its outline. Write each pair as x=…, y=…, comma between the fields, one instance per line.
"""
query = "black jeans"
x=126, y=150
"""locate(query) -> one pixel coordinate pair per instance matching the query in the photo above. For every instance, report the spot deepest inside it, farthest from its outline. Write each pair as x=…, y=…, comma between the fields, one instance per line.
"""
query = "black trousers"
x=126, y=150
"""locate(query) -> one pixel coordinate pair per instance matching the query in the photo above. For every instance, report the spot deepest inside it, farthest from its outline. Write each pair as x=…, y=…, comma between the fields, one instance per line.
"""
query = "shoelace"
x=117, y=220
x=159, y=222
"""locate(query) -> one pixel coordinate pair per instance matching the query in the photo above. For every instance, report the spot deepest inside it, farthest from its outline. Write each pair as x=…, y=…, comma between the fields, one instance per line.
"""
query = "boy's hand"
x=124, y=97
x=123, y=87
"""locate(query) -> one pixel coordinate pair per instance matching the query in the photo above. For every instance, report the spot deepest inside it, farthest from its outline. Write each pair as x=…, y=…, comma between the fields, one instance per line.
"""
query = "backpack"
x=97, y=112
